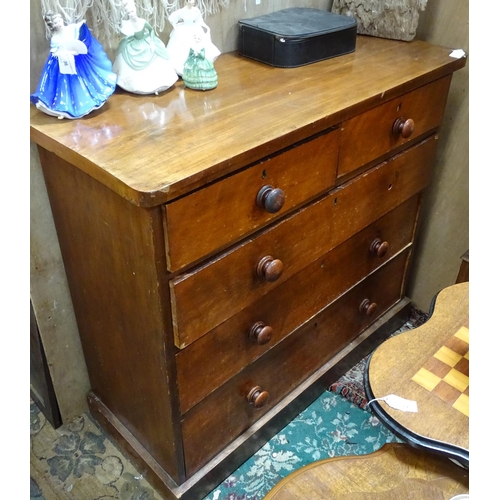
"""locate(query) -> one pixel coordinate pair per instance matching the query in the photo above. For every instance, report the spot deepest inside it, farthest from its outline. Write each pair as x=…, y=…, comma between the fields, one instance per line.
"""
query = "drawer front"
x=370, y=135
x=222, y=416
x=210, y=295
x=226, y=211
x=251, y=333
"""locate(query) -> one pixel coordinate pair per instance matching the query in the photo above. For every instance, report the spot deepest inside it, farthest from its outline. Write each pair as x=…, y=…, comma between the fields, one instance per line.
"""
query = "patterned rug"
x=78, y=461
x=350, y=385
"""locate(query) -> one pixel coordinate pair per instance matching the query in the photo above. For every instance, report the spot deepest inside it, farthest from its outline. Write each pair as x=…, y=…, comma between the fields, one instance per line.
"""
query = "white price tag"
x=66, y=62
x=457, y=53
x=398, y=403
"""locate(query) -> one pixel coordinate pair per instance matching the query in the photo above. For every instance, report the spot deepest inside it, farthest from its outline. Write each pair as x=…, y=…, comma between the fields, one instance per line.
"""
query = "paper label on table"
x=457, y=53
x=398, y=403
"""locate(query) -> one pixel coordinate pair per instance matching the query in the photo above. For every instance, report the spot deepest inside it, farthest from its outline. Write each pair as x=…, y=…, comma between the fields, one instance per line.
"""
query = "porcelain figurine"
x=142, y=63
x=199, y=72
x=186, y=22
x=77, y=77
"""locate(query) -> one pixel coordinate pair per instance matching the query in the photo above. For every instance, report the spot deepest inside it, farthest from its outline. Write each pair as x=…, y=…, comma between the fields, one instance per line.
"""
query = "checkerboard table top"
x=446, y=372
x=429, y=365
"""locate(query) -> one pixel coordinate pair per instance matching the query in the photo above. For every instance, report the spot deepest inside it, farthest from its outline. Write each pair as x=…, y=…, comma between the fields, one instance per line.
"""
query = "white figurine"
x=141, y=62
x=186, y=23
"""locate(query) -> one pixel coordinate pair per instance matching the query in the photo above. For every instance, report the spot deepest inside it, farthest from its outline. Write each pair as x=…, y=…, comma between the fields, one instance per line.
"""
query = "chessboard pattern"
x=446, y=373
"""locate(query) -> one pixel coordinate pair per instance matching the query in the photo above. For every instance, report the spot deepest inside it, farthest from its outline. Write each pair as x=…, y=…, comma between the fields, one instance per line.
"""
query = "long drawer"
x=251, y=333
x=380, y=130
x=225, y=211
x=222, y=416
x=212, y=293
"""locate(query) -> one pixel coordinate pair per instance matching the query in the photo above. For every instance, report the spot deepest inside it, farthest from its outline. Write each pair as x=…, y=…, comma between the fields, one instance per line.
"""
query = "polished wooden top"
x=394, y=472
x=429, y=365
x=152, y=149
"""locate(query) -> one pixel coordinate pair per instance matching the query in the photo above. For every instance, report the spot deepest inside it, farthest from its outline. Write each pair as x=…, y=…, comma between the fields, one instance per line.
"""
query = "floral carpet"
x=78, y=461
x=350, y=385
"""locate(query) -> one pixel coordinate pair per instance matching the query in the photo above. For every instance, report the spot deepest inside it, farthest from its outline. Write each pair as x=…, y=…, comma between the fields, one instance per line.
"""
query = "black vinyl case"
x=295, y=37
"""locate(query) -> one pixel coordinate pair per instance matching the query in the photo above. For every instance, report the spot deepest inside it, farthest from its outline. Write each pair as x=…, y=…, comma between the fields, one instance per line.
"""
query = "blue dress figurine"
x=77, y=77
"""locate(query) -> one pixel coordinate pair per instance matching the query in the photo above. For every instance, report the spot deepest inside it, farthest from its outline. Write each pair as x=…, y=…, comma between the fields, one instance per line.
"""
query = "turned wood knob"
x=270, y=199
x=257, y=397
x=269, y=268
x=260, y=333
x=379, y=247
x=367, y=307
x=403, y=127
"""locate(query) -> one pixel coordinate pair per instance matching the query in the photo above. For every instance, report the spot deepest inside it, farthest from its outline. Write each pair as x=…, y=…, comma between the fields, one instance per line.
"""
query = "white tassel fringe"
x=105, y=16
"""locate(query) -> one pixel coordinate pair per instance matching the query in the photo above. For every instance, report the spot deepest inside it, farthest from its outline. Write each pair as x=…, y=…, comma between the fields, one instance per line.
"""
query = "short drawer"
x=212, y=424
x=251, y=333
x=378, y=131
x=211, y=294
x=226, y=211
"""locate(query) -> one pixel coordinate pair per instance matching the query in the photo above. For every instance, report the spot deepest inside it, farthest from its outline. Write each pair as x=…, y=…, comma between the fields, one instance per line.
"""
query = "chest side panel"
x=114, y=258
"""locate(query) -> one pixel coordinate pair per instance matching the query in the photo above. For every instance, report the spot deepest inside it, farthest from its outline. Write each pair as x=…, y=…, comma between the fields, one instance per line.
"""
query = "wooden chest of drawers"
x=230, y=253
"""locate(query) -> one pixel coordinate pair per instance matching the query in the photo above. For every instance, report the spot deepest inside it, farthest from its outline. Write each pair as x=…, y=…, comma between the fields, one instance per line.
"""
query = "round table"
x=396, y=471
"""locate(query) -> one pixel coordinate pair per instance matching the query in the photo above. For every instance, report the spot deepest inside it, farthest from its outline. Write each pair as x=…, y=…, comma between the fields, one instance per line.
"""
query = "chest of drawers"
x=229, y=253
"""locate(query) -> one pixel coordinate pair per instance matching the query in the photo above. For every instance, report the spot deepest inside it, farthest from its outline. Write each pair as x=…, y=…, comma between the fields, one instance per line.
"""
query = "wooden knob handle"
x=269, y=268
x=367, y=307
x=257, y=397
x=270, y=199
x=379, y=247
x=260, y=333
x=403, y=127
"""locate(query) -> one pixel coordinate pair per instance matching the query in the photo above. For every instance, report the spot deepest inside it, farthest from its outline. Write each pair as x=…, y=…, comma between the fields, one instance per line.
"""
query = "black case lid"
x=300, y=22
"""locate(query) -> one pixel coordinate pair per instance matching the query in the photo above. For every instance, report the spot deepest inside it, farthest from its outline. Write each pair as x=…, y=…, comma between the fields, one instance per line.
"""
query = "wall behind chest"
x=444, y=235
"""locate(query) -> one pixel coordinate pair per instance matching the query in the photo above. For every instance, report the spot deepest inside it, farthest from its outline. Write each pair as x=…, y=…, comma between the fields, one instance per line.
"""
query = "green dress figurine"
x=199, y=72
